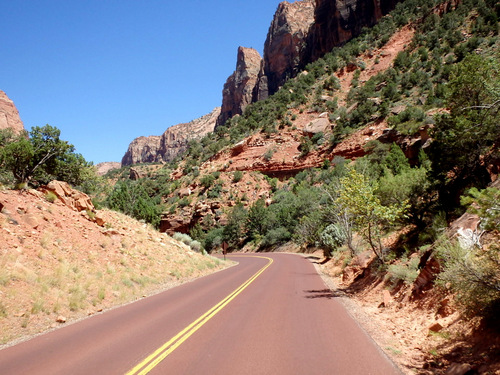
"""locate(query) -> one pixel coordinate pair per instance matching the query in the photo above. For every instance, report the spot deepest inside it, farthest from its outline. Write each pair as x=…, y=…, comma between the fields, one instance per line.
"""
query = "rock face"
x=239, y=87
x=300, y=33
x=9, y=115
x=143, y=150
x=174, y=140
x=337, y=21
x=105, y=167
x=285, y=43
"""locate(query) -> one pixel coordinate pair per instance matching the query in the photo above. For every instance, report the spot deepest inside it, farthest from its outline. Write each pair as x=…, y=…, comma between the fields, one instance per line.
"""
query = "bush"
x=237, y=176
x=406, y=271
x=276, y=236
x=473, y=274
x=187, y=240
x=332, y=237
x=50, y=196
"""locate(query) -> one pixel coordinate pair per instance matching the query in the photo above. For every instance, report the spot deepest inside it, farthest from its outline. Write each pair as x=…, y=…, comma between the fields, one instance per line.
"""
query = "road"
x=270, y=314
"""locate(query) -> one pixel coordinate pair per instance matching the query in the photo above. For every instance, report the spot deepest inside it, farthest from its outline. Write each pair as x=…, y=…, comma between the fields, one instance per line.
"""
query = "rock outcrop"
x=172, y=142
x=105, y=167
x=9, y=115
x=285, y=42
x=143, y=150
x=239, y=87
x=337, y=21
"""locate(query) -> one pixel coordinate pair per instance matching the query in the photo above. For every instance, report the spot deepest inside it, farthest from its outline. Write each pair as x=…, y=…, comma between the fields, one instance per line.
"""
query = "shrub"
x=406, y=271
x=50, y=196
x=237, y=176
x=207, y=180
x=332, y=237
x=268, y=155
x=473, y=274
x=276, y=236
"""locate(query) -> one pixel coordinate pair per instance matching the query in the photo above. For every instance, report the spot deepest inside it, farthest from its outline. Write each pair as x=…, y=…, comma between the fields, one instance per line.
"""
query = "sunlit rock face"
x=9, y=115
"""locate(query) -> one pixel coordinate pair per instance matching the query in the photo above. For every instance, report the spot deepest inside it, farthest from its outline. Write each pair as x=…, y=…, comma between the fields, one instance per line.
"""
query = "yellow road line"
x=161, y=353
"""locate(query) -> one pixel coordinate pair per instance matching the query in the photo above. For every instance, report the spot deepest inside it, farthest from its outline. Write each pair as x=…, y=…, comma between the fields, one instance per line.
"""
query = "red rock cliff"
x=337, y=21
x=285, y=42
x=9, y=115
x=239, y=87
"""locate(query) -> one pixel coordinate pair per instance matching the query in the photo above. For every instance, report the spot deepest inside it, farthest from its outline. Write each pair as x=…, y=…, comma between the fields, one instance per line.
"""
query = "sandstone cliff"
x=174, y=140
x=239, y=87
x=335, y=22
x=286, y=41
x=301, y=32
x=9, y=115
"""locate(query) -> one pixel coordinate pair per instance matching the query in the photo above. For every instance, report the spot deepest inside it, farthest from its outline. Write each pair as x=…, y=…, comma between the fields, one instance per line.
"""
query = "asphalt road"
x=270, y=314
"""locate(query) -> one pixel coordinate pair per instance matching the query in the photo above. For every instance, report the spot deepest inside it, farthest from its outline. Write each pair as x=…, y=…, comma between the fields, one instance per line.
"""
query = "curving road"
x=270, y=314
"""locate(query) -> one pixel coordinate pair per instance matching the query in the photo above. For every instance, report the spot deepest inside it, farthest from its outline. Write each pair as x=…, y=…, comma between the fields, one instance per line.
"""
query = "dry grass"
x=68, y=266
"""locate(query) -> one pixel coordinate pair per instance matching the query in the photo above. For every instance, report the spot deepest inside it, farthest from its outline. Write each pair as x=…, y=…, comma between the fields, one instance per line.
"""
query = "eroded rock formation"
x=286, y=40
x=9, y=115
x=143, y=150
x=301, y=32
x=172, y=142
x=239, y=87
x=105, y=167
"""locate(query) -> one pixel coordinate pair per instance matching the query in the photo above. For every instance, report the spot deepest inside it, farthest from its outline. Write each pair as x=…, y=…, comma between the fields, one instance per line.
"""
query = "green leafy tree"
x=132, y=199
x=234, y=230
x=358, y=199
x=466, y=140
x=256, y=224
x=42, y=157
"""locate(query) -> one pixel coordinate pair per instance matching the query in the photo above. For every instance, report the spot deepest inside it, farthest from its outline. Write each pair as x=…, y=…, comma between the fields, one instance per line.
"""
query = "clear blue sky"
x=107, y=71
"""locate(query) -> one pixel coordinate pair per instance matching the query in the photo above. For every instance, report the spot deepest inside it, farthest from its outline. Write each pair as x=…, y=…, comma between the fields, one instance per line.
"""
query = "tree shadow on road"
x=325, y=293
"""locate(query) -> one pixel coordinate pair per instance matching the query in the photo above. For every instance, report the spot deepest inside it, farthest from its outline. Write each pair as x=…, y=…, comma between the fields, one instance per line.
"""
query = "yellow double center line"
x=161, y=353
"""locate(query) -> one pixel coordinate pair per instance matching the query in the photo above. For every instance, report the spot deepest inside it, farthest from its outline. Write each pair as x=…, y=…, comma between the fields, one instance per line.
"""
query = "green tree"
x=42, y=157
x=358, y=199
x=256, y=224
x=466, y=140
x=234, y=230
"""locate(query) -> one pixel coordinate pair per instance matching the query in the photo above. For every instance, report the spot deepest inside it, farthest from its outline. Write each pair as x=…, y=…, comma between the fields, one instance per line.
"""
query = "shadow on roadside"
x=324, y=293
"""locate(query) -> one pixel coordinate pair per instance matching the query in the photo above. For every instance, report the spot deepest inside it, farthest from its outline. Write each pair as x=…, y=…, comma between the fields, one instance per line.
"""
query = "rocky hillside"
x=278, y=155
x=300, y=32
x=164, y=148
x=61, y=260
x=9, y=115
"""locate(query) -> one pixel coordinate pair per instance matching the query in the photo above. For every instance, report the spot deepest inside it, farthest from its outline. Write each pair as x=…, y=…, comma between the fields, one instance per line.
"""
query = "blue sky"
x=107, y=71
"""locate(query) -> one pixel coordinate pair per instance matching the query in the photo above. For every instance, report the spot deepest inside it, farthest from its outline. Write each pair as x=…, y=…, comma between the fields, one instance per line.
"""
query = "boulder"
x=458, y=369
x=319, y=125
x=74, y=199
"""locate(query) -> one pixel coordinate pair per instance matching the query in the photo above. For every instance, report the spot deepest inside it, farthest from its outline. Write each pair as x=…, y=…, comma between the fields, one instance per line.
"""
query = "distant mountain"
x=172, y=142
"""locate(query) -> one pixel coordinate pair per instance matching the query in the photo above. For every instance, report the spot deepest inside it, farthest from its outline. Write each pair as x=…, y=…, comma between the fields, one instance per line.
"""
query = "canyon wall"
x=300, y=33
x=172, y=142
x=336, y=21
